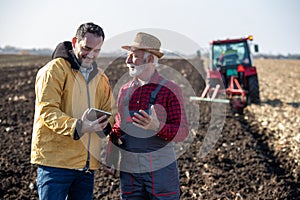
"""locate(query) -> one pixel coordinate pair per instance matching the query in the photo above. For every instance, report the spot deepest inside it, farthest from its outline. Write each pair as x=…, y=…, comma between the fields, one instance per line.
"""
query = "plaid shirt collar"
x=86, y=71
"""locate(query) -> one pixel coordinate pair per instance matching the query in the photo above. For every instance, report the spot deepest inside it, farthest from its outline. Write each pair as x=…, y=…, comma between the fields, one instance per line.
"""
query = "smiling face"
x=87, y=49
x=140, y=64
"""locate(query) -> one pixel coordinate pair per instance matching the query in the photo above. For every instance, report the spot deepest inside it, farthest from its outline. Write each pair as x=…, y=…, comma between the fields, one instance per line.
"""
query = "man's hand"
x=93, y=126
x=145, y=121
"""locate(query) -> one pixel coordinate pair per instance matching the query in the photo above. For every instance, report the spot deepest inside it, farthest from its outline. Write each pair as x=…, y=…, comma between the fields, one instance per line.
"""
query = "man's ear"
x=151, y=58
x=74, y=40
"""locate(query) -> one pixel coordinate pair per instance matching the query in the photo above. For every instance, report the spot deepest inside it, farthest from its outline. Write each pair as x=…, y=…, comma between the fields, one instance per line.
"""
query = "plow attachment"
x=205, y=96
x=234, y=95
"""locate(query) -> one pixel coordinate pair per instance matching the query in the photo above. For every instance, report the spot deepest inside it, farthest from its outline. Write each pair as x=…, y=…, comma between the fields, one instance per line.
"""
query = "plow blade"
x=206, y=97
x=194, y=98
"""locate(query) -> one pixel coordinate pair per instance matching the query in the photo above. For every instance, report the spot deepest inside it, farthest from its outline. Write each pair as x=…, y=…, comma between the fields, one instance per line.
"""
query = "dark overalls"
x=148, y=167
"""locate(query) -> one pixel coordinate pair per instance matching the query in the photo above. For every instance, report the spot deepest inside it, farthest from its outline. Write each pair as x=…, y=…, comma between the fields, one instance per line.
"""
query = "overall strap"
x=151, y=101
x=155, y=92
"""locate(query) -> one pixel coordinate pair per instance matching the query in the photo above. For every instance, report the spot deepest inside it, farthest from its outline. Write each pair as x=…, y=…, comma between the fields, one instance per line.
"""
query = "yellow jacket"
x=62, y=95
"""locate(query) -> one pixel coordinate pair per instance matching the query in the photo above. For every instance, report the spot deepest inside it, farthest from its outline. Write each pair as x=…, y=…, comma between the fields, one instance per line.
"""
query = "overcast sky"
x=42, y=24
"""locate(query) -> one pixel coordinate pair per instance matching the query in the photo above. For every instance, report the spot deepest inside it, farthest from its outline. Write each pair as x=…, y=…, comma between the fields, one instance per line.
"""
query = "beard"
x=86, y=64
x=135, y=70
x=86, y=61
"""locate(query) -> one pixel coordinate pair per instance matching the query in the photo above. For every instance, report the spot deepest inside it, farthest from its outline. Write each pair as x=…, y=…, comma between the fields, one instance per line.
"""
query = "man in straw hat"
x=151, y=117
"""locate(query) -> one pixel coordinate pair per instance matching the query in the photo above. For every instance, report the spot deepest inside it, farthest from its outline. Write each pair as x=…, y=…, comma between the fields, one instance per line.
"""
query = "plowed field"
x=256, y=156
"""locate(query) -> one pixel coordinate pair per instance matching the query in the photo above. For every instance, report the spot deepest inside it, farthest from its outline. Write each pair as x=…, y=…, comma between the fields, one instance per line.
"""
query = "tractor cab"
x=230, y=54
x=231, y=57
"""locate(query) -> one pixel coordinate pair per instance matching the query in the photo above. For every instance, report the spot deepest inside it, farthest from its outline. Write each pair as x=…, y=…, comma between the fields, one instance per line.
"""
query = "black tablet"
x=94, y=114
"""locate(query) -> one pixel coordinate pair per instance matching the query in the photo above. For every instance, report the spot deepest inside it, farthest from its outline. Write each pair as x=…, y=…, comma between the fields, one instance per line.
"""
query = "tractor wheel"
x=253, y=90
x=239, y=111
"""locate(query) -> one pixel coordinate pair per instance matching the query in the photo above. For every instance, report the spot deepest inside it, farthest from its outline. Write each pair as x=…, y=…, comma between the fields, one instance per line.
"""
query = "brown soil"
x=256, y=157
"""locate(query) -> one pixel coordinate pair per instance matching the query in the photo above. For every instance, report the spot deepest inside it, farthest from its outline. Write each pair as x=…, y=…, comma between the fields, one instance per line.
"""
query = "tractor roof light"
x=250, y=37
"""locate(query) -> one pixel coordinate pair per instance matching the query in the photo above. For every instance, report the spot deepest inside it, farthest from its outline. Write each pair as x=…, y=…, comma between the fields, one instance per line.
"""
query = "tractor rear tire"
x=253, y=90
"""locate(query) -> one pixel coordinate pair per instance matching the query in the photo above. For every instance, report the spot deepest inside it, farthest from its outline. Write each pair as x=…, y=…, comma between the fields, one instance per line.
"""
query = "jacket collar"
x=65, y=50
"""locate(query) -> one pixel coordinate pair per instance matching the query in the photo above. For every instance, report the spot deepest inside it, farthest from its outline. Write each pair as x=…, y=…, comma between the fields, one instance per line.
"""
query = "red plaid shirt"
x=170, y=109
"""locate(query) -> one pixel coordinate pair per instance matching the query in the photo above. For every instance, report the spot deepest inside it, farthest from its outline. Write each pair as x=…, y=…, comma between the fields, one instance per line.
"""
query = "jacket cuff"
x=107, y=129
x=105, y=132
x=77, y=131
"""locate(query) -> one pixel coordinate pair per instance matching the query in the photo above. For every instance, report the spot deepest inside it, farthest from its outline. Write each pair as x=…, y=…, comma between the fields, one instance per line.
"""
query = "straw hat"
x=146, y=42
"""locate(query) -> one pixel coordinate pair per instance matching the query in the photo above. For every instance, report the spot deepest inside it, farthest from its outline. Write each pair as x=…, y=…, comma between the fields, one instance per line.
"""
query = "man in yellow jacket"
x=65, y=144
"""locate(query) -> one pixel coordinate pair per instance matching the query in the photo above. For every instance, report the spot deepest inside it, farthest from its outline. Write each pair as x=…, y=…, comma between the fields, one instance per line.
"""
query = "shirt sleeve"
x=175, y=127
x=116, y=130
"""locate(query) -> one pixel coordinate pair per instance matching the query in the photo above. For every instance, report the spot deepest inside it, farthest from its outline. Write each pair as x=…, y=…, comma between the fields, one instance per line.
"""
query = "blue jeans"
x=61, y=184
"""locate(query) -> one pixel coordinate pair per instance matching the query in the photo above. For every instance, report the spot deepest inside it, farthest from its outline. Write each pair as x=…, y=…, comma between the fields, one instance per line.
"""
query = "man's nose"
x=129, y=59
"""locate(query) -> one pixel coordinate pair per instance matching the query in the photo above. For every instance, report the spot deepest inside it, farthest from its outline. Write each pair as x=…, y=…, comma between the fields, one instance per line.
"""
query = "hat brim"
x=153, y=51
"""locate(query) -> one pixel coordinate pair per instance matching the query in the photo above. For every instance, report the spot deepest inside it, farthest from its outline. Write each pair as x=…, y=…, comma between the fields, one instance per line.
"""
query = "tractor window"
x=228, y=54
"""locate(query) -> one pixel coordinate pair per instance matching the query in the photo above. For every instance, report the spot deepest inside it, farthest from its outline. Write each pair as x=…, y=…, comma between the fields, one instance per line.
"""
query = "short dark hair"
x=89, y=28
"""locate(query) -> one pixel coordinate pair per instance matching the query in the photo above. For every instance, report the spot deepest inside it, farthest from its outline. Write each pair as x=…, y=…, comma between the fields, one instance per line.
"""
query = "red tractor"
x=231, y=72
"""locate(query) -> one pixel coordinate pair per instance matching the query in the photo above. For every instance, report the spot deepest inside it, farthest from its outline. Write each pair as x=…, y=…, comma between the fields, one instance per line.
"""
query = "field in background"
x=257, y=156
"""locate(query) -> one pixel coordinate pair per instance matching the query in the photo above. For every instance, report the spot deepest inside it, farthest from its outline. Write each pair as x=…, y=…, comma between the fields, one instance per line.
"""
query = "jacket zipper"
x=87, y=165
